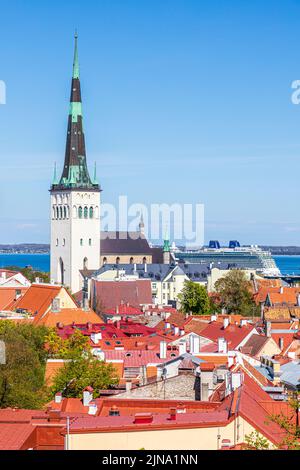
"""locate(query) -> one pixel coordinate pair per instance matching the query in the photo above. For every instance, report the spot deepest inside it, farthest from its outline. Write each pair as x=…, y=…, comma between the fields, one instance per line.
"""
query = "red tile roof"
x=233, y=334
x=37, y=299
x=8, y=296
x=109, y=294
x=123, y=309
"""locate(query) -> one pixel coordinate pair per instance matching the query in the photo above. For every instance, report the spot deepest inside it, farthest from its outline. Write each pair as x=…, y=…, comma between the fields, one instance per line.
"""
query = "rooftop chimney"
x=95, y=337
x=268, y=329
x=85, y=304
x=213, y=318
x=92, y=408
x=163, y=350
x=58, y=397
x=172, y=414
x=222, y=345
x=128, y=385
x=87, y=396
x=236, y=380
x=225, y=323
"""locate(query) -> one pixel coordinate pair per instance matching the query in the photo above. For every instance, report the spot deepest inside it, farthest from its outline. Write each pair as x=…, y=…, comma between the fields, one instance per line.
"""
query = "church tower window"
x=91, y=212
x=86, y=212
x=80, y=212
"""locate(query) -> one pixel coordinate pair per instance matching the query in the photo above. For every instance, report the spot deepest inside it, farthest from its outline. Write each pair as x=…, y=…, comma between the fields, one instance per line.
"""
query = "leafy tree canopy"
x=22, y=376
x=194, y=298
x=234, y=291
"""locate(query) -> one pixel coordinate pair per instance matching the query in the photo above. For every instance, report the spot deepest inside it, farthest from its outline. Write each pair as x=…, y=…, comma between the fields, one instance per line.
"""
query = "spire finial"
x=55, y=181
x=95, y=174
x=75, y=62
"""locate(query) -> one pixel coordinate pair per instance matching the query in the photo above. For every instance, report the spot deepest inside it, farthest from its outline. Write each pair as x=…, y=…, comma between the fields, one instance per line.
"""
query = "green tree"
x=289, y=423
x=194, y=298
x=255, y=441
x=30, y=274
x=22, y=376
x=79, y=373
x=73, y=347
x=234, y=291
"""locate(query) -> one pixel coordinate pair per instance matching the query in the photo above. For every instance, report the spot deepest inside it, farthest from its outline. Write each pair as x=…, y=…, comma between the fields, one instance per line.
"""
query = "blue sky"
x=184, y=101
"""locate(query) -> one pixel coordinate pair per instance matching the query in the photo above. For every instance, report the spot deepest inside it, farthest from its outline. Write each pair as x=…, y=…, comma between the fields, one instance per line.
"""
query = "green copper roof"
x=75, y=110
x=76, y=62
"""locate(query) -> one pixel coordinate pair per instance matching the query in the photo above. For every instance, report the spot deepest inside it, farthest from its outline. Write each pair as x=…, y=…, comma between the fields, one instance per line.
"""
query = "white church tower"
x=75, y=203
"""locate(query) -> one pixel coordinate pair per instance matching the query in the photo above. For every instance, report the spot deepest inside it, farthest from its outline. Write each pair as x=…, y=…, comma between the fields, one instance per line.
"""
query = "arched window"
x=80, y=212
x=85, y=263
x=61, y=271
x=57, y=213
x=144, y=260
x=90, y=242
x=64, y=242
x=60, y=212
x=57, y=242
x=81, y=241
x=65, y=212
x=86, y=212
x=74, y=211
x=53, y=212
x=91, y=212
x=131, y=260
x=104, y=260
x=117, y=260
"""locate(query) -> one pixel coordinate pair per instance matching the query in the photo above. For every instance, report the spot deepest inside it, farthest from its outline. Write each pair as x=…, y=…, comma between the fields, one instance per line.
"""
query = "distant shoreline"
x=44, y=249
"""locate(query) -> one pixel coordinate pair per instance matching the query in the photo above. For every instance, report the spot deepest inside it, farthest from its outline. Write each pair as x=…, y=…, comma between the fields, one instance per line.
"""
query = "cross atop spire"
x=76, y=62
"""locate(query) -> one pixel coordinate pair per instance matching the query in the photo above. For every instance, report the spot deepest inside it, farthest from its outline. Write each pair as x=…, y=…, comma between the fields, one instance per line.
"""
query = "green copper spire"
x=76, y=62
x=75, y=172
x=166, y=247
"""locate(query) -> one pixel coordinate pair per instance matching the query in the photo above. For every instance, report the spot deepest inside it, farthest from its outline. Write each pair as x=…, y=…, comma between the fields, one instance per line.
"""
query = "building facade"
x=75, y=203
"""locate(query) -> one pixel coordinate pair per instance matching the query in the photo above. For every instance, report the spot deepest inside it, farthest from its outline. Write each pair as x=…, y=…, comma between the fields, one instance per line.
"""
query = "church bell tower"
x=75, y=203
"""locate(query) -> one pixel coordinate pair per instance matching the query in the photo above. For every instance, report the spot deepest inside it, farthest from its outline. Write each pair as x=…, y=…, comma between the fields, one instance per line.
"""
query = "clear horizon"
x=183, y=101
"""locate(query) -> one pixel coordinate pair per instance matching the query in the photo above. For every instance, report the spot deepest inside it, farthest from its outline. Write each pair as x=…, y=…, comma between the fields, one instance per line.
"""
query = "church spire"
x=75, y=172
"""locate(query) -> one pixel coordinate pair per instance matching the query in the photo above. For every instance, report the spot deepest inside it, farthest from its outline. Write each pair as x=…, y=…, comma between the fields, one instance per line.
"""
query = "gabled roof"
x=233, y=334
x=255, y=344
x=38, y=298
